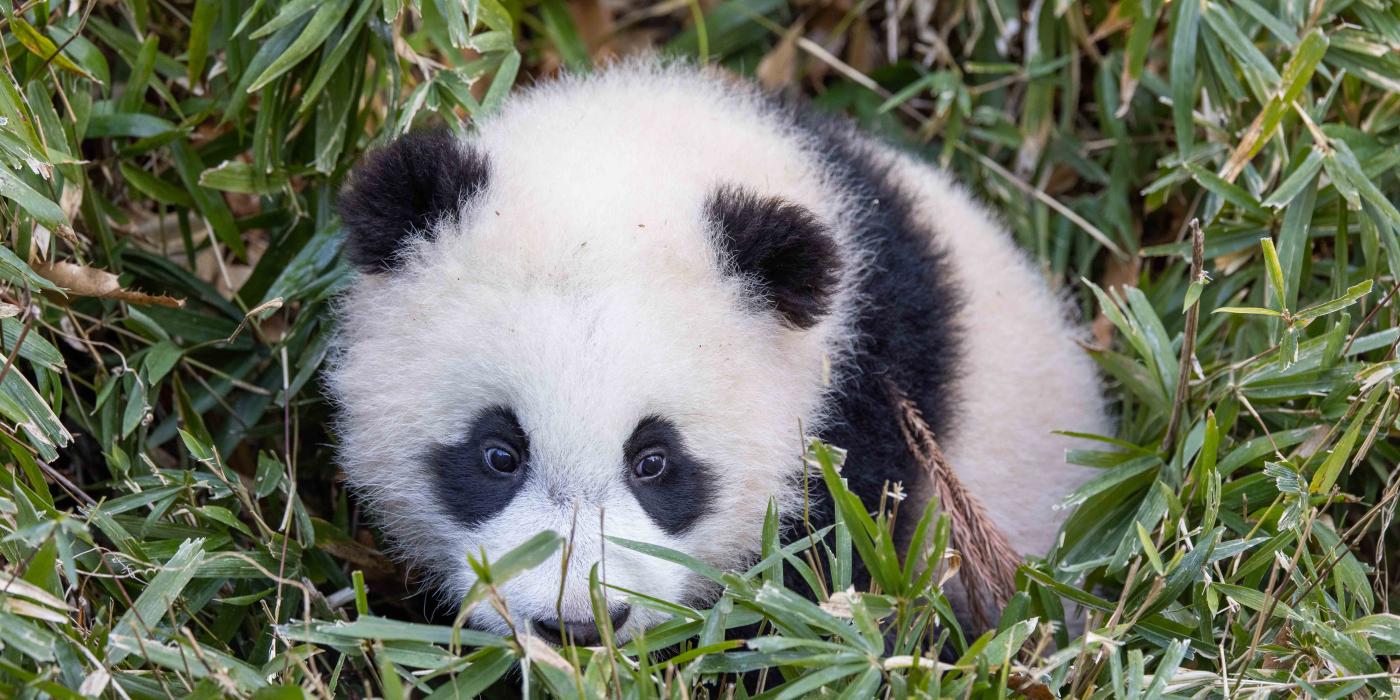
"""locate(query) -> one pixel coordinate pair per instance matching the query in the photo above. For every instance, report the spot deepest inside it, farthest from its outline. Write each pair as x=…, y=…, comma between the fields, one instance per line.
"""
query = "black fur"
x=401, y=190
x=780, y=245
x=906, y=329
x=469, y=491
x=682, y=493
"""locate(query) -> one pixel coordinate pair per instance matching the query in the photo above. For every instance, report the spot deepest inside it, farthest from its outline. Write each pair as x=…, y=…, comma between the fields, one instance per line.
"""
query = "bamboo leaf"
x=1228, y=191
x=206, y=13
x=1326, y=475
x=310, y=39
x=1275, y=270
x=1302, y=178
x=154, y=187
x=1353, y=294
x=148, y=612
x=1248, y=310
x=43, y=47
x=43, y=209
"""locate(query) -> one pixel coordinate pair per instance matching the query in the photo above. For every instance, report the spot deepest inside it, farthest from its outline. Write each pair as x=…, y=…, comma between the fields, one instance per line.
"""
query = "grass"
x=170, y=519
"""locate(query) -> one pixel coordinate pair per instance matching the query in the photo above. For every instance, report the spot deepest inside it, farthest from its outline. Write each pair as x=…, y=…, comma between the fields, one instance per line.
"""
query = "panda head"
x=558, y=335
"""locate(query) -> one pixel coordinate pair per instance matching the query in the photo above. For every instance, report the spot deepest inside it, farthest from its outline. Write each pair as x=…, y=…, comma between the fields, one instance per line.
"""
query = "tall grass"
x=171, y=520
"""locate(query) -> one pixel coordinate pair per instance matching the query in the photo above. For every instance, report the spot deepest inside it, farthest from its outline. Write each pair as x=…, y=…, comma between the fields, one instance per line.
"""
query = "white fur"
x=582, y=291
x=1023, y=377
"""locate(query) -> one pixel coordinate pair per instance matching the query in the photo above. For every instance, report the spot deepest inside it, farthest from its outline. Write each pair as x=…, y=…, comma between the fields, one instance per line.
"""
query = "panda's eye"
x=650, y=466
x=500, y=459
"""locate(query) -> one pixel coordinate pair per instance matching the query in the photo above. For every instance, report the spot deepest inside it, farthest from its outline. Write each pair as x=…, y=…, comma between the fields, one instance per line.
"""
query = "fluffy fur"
x=782, y=247
x=407, y=189
x=663, y=244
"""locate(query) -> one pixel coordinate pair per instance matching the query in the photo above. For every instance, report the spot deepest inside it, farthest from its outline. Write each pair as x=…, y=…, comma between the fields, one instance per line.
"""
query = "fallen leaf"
x=862, y=52
x=1028, y=686
x=839, y=604
x=71, y=200
x=779, y=67
x=596, y=26
x=83, y=281
x=372, y=561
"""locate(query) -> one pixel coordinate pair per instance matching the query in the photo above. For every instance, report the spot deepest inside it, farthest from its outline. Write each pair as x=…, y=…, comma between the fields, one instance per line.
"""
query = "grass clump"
x=170, y=519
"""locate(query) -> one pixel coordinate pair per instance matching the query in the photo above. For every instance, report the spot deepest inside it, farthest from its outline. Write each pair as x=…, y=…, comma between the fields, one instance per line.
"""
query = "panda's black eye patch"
x=478, y=476
x=672, y=485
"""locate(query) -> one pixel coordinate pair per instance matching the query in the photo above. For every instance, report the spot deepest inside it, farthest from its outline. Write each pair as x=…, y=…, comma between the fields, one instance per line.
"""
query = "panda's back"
x=953, y=316
x=1022, y=376
x=940, y=302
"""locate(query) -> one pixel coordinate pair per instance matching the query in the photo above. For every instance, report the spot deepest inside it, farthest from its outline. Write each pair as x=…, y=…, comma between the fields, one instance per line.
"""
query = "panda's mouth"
x=582, y=632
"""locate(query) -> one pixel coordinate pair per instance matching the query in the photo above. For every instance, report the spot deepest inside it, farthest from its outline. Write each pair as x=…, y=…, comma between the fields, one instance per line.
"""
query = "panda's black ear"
x=401, y=190
x=782, y=246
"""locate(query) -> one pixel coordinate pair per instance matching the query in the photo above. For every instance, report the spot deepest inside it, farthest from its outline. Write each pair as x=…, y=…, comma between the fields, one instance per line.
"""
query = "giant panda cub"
x=623, y=304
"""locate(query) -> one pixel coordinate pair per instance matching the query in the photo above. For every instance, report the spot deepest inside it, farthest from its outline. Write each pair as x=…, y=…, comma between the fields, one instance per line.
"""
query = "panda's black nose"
x=582, y=632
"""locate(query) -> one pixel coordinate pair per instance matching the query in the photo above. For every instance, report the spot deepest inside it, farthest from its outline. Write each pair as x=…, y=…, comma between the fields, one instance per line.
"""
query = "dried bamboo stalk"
x=988, y=561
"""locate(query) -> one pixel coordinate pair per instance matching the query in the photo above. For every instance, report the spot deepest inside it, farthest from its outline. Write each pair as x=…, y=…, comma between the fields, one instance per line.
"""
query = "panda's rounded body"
x=618, y=307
